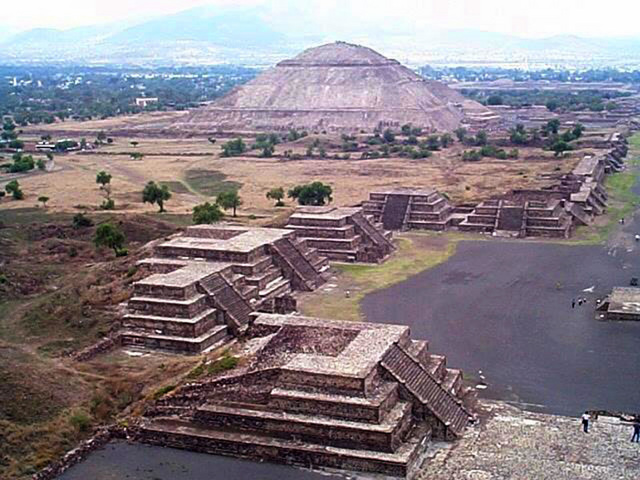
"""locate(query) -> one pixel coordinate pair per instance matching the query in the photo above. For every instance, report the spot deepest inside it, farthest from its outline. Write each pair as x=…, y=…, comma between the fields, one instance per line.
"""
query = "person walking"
x=636, y=430
x=573, y=303
x=585, y=422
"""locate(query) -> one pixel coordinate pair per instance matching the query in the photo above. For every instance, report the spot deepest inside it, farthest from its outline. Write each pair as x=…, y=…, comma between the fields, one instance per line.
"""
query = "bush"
x=80, y=220
x=233, y=148
x=471, y=156
x=108, y=204
x=207, y=213
x=80, y=421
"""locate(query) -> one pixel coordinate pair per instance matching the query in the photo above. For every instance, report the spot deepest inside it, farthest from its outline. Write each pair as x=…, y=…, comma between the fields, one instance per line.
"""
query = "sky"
x=537, y=18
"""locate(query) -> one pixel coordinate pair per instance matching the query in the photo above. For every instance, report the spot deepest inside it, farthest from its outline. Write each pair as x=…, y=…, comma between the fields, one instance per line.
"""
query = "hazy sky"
x=531, y=18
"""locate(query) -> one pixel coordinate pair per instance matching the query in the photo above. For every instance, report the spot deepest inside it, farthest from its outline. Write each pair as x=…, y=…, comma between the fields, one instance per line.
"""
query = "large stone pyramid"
x=338, y=87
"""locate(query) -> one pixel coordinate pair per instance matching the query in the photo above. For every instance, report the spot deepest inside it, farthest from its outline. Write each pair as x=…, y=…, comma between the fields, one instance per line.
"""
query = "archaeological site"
x=274, y=257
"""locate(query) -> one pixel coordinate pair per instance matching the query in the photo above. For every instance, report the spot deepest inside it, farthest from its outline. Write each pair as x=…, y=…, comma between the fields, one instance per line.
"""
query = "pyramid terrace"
x=320, y=393
x=204, y=284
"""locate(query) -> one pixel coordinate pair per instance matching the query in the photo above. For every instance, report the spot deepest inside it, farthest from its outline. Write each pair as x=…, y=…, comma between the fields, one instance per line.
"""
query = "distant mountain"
x=258, y=36
x=223, y=27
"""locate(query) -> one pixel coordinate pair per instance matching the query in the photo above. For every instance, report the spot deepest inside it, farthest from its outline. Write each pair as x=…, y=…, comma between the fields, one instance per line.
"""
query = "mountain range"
x=254, y=36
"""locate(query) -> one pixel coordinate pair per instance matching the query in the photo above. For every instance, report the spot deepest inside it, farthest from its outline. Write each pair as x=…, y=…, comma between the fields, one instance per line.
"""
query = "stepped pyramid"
x=338, y=87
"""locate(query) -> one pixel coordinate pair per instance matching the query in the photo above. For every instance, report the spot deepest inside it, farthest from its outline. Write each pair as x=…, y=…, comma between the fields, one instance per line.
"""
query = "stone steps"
x=384, y=436
x=227, y=299
x=427, y=390
x=452, y=381
x=370, y=409
x=260, y=280
x=340, y=255
x=175, y=343
x=275, y=288
x=194, y=326
x=168, y=306
x=186, y=435
x=299, y=264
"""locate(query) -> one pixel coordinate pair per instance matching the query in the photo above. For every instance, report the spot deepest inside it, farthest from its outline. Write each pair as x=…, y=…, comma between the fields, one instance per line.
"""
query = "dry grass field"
x=195, y=172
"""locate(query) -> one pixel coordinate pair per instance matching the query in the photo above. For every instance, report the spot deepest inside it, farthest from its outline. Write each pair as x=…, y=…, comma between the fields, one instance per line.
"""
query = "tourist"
x=585, y=422
x=636, y=430
x=637, y=238
x=579, y=301
x=347, y=294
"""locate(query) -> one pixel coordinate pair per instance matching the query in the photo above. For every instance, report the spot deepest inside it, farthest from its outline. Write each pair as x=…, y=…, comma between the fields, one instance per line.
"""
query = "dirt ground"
x=174, y=160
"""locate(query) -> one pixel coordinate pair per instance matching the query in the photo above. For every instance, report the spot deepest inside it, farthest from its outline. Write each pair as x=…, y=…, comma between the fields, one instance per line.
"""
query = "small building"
x=622, y=304
x=144, y=102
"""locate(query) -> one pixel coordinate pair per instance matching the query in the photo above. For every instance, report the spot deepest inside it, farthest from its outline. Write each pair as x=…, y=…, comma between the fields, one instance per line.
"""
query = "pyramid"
x=337, y=87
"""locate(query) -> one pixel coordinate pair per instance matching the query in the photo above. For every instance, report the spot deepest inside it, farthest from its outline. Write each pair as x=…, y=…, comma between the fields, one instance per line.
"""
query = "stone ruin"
x=319, y=393
x=622, y=304
x=343, y=234
x=206, y=283
x=576, y=199
x=407, y=208
x=338, y=87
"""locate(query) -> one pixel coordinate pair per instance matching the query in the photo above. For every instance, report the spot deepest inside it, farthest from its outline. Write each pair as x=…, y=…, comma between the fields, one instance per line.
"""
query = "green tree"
x=104, y=180
x=229, y=200
x=101, y=136
x=233, y=148
x=460, y=133
x=110, y=236
x=40, y=164
x=154, y=193
x=560, y=147
x=43, y=199
x=315, y=193
x=276, y=194
x=445, y=140
x=578, y=130
x=206, y=213
x=13, y=187
x=433, y=142
x=481, y=138
x=494, y=100
x=267, y=151
x=388, y=136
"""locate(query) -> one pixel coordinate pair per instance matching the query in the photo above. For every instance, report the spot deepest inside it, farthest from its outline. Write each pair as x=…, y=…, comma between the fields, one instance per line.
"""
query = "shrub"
x=80, y=421
x=80, y=220
x=108, y=204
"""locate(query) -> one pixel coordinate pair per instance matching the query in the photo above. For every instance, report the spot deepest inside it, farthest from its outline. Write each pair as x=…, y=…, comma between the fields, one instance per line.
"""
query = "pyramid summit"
x=338, y=87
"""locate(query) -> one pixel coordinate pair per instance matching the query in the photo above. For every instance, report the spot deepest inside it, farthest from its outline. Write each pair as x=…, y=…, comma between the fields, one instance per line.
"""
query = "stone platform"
x=320, y=393
x=205, y=283
x=410, y=208
x=512, y=444
x=342, y=233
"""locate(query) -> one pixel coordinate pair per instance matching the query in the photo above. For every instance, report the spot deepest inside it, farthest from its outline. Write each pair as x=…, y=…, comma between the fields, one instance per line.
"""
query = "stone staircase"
x=423, y=385
x=221, y=293
x=291, y=258
x=395, y=211
x=374, y=236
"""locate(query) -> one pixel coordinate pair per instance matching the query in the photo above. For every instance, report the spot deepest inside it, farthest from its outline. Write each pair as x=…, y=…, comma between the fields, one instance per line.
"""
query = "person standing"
x=585, y=422
x=636, y=430
x=573, y=303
